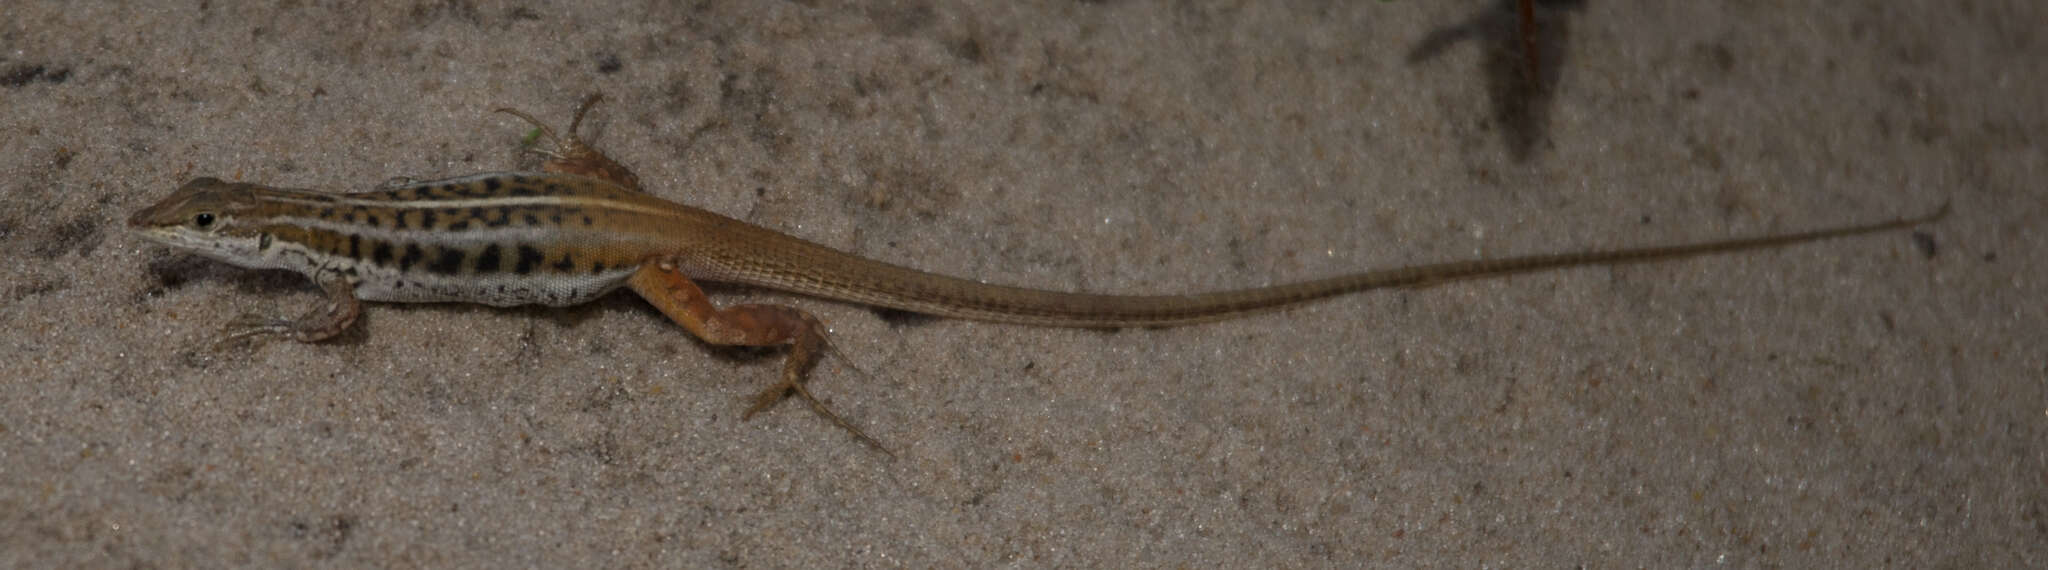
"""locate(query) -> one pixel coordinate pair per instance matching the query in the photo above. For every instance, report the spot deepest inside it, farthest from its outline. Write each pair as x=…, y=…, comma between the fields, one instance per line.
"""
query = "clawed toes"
x=768, y=399
x=249, y=328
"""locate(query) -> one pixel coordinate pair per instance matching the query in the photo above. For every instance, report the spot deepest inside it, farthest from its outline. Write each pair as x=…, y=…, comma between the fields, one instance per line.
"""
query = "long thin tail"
x=836, y=275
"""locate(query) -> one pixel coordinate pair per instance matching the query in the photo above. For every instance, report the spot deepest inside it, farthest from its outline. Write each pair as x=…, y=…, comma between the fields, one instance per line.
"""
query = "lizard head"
x=206, y=216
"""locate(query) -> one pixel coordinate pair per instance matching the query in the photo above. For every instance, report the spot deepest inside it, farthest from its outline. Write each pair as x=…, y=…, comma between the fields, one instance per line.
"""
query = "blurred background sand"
x=1855, y=403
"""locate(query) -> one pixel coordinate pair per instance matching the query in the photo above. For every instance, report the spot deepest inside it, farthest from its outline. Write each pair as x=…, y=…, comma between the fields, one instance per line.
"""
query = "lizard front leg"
x=664, y=285
x=330, y=318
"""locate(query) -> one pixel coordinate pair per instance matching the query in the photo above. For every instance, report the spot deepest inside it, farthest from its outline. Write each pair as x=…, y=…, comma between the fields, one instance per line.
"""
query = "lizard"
x=582, y=226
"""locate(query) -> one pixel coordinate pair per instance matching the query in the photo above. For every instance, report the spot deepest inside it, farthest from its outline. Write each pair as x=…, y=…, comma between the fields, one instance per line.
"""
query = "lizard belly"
x=502, y=290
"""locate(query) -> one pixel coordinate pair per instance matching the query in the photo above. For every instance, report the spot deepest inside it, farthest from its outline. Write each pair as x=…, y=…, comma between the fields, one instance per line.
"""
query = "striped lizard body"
x=582, y=228
x=498, y=239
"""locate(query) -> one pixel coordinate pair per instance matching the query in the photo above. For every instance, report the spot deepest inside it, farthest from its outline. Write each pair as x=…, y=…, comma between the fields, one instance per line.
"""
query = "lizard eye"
x=202, y=220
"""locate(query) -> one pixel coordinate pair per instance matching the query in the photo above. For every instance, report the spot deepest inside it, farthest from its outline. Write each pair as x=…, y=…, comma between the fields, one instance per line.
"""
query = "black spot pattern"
x=502, y=218
x=412, y=256
x=450, y=262
x=528, y=258
x=487, y=260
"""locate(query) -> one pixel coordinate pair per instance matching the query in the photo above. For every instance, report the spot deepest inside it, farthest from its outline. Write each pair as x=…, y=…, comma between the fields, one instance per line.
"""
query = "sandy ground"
x=1861, y=402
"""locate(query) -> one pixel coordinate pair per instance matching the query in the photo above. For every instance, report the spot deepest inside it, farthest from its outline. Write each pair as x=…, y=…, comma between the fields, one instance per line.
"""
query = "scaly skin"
x=582, y=227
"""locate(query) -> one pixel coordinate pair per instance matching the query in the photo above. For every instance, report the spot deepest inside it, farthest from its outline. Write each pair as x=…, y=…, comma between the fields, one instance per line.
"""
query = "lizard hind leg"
x=572, y=156
x=665, y=286
x=807, y=343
